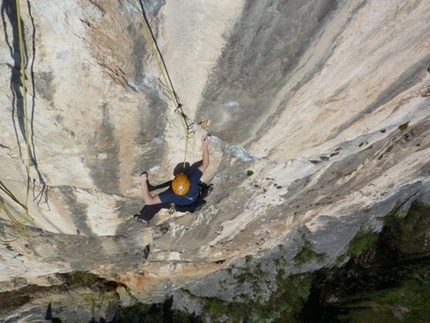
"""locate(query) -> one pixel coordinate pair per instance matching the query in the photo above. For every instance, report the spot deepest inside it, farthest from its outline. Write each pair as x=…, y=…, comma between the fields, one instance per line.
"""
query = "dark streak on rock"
x=405, y=81
x=77, y=209
x=103, y=156
x=256, y=76
x=44, y=86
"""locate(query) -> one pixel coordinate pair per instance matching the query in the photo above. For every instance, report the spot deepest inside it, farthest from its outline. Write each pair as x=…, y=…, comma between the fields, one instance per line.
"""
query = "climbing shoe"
x=137, y=219
x=205, y=189
x=210, y=189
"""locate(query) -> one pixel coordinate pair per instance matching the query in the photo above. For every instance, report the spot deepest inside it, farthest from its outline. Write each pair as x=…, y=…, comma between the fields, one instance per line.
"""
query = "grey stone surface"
x=318, y=128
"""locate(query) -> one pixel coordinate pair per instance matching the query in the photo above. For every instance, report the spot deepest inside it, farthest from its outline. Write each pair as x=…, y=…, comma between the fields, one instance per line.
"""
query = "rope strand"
x=150, y=38
x=19, y=225
x=24, y=98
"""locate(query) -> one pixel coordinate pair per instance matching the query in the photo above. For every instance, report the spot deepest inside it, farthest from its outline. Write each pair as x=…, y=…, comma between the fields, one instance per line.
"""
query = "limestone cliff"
x=319, y=115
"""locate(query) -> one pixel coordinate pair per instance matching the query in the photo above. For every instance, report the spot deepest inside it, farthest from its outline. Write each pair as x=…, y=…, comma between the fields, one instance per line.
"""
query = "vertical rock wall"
x=319, y=116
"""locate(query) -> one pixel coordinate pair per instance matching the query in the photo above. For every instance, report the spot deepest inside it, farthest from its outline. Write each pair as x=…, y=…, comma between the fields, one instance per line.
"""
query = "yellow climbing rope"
x=24, y=98
x=19, y=224
x=178, y=106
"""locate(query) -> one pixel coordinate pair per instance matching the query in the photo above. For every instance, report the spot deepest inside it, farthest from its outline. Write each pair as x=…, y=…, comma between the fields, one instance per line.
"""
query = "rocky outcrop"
x=319, y=123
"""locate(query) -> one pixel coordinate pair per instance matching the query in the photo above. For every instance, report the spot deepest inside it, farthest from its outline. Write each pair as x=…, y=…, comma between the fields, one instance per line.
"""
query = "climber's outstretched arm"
x=205, y=148
x=148, y=198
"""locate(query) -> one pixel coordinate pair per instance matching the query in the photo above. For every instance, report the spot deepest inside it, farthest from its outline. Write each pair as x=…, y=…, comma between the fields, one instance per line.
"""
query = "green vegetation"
x=387, y=277
x=405, y=303
x=383, y=277
x=249, y=173
x=409, y=235
x=363, y=241
x=233, y=311
x=386, y=151
x=412, y=294
x=404, y=126
x=161, y=312
x=340, y=260
x=284, y=305
x=81, y=279
x=389, y=149
x=307, y=254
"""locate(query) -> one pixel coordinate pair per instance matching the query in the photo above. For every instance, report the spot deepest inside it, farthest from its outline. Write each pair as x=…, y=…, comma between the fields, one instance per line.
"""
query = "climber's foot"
x=210, y=189
x=137, y=219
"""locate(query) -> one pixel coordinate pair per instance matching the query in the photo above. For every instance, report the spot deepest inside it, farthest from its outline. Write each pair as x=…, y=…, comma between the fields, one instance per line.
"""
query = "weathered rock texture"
x=319, y=115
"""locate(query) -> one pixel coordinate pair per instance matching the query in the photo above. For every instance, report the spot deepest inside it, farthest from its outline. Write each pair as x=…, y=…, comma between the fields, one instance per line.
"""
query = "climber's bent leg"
x=149, y=211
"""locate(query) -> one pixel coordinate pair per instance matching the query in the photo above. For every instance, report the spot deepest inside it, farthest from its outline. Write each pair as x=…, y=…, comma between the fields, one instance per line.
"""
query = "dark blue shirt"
x=187, y=199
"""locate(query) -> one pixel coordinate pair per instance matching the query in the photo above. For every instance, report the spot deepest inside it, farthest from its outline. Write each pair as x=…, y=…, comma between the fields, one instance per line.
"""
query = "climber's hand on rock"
x=205, y=140
x=143, y=177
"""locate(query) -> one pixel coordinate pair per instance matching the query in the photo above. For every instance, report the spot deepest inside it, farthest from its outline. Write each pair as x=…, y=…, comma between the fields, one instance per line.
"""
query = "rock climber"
x=186, y=192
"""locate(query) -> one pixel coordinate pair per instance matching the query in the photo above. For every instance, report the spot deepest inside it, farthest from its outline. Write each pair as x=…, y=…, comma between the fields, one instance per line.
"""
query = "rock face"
x=319, y=115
